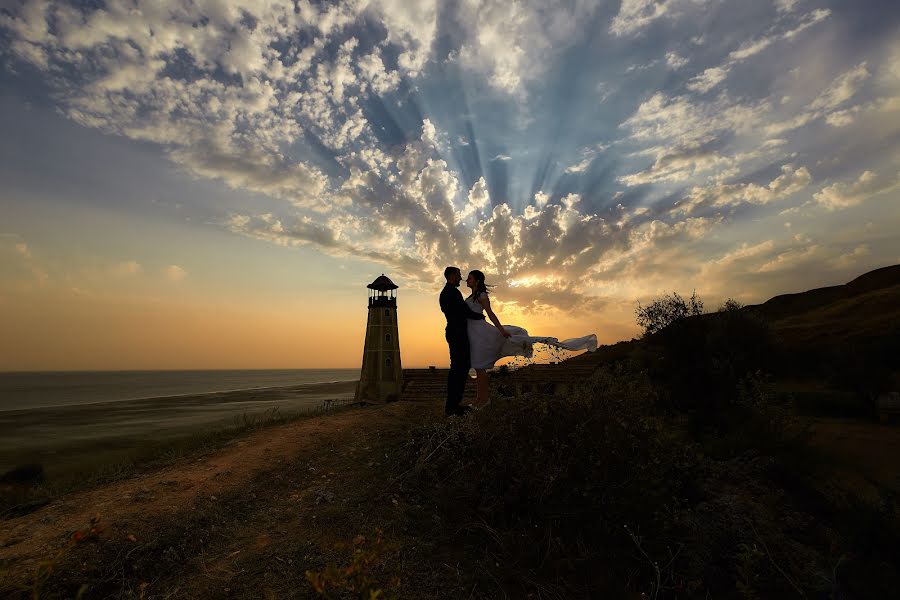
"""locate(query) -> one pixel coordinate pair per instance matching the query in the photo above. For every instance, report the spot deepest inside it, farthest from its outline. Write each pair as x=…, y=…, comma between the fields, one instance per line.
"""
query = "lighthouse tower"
x=381, y=377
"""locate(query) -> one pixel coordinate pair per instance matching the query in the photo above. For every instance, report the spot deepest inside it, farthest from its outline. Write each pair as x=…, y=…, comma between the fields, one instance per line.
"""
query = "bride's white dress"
x=487, y=345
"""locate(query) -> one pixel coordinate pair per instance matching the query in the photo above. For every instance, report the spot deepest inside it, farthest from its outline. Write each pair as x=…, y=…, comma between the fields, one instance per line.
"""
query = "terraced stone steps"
x=431, y=384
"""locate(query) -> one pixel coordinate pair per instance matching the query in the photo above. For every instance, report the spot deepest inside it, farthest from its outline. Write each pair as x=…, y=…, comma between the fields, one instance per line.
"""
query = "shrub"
x=755, y=419
x=665, y=310
x=591, y=495
x=697, y=364
x=548, y=485
x=361, y=577
x=730, y=305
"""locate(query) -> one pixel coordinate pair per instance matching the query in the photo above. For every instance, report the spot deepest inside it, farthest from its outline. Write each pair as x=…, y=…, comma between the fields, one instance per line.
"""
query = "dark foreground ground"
x=247, y=521
x=309, y=508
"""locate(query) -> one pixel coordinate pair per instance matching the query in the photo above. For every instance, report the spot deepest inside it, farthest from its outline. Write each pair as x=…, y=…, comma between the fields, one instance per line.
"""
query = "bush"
x=730, y=305
x=756, y=419
x=548, y=485
x=590, y=495
x=697, y=364
x=666, y=310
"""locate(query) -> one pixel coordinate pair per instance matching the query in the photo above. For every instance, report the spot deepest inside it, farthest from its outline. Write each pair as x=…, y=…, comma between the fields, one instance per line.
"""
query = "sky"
x=212, y=184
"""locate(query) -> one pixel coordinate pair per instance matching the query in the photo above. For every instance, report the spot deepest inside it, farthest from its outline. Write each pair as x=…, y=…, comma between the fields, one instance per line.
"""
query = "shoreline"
x=186, y=395
x=68, y=438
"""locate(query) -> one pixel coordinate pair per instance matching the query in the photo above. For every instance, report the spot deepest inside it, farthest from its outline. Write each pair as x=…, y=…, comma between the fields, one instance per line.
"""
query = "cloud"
x=688, y=121
x=790, y=259
x=782, y=261
x=713, y=76
x=634, y=15
x=707, y=80
x=156, y=74
x=719, y=273
x=511, y=43
x=850, y=259
x=751, y=48
x=674, y=61
x=27, y=265
x=126, y=269
x=842, y=88
x=582, y=166
x=588, y=155
x=478, y=200
x=412, y=26
x=174, y=273
x=698, y=141
x=552, y=251
x=744, y=252
x=843, y=195
x=786, y=5
x=312, y=109
x=673, y=164
x=791, y=181
x=842, y=118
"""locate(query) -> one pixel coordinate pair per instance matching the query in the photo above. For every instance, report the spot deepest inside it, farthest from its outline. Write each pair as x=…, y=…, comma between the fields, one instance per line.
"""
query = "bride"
x=488, y=343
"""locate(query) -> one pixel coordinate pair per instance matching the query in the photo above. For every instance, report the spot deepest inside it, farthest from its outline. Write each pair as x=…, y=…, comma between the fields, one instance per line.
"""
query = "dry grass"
x=100, y=469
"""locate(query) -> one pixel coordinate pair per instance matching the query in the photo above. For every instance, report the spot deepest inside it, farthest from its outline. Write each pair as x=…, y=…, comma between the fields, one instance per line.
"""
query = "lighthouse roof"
x=383, y=284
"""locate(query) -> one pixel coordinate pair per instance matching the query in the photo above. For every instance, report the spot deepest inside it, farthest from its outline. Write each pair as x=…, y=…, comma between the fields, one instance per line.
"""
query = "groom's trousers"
x=460, y=361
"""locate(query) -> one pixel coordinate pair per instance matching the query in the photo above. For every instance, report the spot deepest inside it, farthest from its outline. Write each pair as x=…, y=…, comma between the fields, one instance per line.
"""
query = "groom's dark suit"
x=454, y=308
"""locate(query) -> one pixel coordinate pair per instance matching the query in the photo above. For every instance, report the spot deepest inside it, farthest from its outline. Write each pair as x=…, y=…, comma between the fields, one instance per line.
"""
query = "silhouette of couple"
x=475, y=343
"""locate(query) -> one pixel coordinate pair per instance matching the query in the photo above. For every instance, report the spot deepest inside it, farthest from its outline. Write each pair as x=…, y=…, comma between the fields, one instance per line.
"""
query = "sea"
x=74, y=423
x=44, y=389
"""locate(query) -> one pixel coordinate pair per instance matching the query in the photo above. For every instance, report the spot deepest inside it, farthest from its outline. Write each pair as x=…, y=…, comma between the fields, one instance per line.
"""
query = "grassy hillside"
x=862, y=316
x=799, y=304
x=684, y=465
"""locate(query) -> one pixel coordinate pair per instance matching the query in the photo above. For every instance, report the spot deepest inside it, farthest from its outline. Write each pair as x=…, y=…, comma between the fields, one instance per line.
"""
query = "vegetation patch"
x=600, y=493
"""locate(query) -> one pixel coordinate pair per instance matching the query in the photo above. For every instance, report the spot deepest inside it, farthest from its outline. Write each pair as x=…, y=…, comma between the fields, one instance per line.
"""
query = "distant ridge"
x=787, y=305
x=863, y=312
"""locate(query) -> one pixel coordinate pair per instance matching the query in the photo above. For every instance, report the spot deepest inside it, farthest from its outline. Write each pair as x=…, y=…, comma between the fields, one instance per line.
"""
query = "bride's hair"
x=481, y=287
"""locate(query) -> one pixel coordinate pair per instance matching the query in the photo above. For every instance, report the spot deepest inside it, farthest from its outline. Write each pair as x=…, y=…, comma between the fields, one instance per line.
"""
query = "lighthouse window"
x=387, y=362
x=387, y=312
x=387, y=337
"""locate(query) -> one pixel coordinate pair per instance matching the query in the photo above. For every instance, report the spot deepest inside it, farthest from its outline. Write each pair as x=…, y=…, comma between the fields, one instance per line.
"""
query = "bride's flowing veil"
x=519, y=343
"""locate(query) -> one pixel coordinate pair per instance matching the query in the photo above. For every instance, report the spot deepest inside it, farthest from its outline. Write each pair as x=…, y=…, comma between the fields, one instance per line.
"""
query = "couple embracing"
x=475, y=343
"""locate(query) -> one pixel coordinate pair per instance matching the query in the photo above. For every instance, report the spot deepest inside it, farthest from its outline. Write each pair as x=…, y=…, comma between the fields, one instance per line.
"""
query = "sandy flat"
x=291, y=481
x=62, y=437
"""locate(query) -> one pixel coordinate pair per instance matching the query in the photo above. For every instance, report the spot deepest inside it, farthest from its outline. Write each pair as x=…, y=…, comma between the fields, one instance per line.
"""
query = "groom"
x=454, y=308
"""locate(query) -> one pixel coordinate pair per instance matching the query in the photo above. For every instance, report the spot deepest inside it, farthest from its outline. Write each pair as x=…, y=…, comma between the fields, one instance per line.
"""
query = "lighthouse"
x=381, y=378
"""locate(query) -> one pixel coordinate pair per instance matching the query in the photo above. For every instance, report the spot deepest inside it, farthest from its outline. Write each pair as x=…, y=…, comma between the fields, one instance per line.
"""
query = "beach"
x=75, y=439
x=245, y=520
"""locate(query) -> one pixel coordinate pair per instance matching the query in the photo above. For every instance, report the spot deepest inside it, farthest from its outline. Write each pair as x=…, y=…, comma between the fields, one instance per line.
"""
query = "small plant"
x=44, y=572
x=360, y=578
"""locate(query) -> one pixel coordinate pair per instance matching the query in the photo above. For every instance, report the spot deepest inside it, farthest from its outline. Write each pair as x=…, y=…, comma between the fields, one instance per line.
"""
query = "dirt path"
x=863, y=455
x=245, y=521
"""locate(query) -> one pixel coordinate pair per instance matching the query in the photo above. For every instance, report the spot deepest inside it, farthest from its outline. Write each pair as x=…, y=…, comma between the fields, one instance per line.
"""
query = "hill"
x=861, y=311
x=696, y=460
x=675, y=466
x=793, y=305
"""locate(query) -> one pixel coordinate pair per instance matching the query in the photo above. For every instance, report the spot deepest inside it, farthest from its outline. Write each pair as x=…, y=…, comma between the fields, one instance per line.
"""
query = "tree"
x=665, y=310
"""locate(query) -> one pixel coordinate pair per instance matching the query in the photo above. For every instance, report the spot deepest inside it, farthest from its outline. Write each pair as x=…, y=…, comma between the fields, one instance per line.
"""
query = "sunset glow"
x=212, y=185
